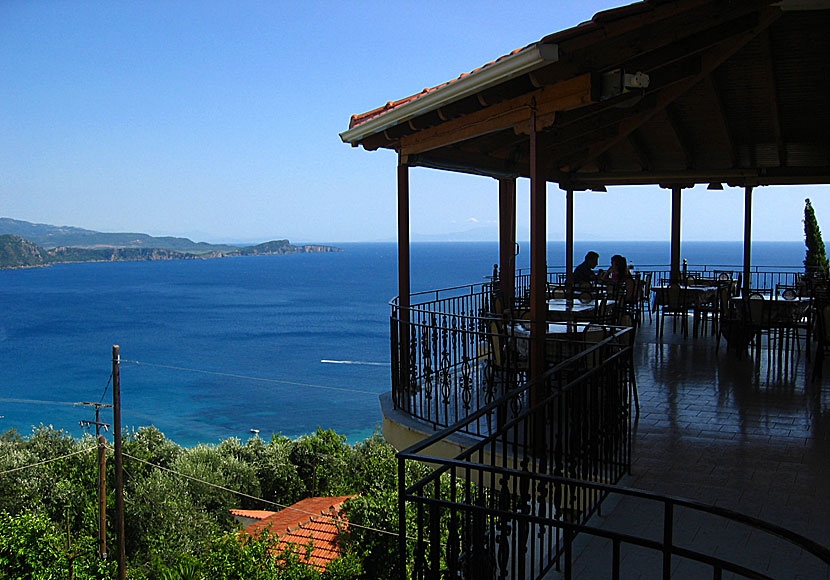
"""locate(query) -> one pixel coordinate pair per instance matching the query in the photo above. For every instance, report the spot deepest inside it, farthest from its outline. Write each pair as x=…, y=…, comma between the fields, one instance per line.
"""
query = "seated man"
x=584, y=273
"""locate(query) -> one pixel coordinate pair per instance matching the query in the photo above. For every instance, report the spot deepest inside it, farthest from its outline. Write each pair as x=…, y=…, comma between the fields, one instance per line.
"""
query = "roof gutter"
x=527, y=60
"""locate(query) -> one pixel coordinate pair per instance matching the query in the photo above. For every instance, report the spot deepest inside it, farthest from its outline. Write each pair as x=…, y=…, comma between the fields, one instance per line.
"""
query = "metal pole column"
x=119, y=461
x=569, y=234
x=538, y=263
x=507, y=240
x=675, y=234
x=403, y=285
x=747, y=241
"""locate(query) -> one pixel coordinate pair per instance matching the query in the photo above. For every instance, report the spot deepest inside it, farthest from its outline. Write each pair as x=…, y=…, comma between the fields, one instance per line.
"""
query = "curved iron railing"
x=573, y=423
x=512, y=505
x=441, y=346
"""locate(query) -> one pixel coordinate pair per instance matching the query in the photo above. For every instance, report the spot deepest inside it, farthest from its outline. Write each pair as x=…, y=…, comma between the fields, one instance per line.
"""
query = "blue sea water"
x=273, y=318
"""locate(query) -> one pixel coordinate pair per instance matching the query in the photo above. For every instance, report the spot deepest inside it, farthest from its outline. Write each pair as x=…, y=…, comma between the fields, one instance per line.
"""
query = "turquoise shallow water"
x=275, y=318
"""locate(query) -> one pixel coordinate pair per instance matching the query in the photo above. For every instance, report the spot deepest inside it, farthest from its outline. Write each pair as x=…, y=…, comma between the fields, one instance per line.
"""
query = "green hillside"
x=24, y=244
x=48, y=236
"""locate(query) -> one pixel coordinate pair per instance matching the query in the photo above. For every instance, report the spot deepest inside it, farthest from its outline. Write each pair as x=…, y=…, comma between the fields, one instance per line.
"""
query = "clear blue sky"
x=220, y=121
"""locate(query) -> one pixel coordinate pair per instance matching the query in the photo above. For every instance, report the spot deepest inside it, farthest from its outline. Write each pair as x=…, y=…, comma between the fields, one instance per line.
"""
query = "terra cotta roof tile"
x=317, y=520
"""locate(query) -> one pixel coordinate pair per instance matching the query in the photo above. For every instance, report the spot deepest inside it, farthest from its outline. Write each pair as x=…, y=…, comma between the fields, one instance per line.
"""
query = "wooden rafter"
x=722, y=118
x=513, y=113
x=681, y=135
x=655, y=30
x=709, y=62
x=772, y=97
x=640, y=149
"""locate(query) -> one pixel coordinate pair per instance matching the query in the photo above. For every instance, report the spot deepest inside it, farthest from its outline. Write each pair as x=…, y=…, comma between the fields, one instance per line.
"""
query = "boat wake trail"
x=354, y=362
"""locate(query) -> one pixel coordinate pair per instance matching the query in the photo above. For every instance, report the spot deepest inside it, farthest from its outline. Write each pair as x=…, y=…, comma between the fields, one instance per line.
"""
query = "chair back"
x=559, y=292
x=496, y=337
x=675, y=297
x=756, y=308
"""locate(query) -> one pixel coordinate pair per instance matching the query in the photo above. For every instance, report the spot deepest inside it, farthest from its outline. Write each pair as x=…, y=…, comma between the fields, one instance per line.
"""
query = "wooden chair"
x=644, y=297
x=674, y=304
x=821, y=315
x=758, y=318
x=628, y=340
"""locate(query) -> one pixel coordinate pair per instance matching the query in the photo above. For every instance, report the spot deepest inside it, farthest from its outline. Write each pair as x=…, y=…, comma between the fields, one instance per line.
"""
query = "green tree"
x=815, y=262
x=33, y=548
x=321, y=460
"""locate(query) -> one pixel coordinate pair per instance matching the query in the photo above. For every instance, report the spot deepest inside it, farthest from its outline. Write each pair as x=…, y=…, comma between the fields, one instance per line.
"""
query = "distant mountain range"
x=25, y=244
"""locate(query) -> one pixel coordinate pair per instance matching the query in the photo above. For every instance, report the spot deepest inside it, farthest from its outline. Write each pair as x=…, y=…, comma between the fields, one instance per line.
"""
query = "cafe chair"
x=821, y=307
x=558, y=292
x=627, y=341
x=644, y=298
x=508, y=360
x=673, y=303
x=759, y=320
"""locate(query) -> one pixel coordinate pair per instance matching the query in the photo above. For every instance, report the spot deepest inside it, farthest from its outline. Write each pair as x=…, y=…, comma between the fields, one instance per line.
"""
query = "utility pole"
x=119, y=460
x=102, y=475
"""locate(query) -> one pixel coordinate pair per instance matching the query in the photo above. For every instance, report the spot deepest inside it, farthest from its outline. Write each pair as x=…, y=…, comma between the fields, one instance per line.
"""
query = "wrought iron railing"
x=442, y=344
x=502, y=507
x=440, y=354
x=512, y=505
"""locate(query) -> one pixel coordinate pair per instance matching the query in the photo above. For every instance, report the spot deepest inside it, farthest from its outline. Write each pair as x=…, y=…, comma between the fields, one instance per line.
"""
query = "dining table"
x=698, y=294
x=690, y=299
x=766, y=313
x=562, y=339
x=574, y=309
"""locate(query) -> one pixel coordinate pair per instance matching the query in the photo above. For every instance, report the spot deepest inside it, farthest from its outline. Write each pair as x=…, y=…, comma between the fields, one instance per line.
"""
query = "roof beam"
x=710, y=60
x=732, y=177
x=513, y=113
x=644, y=37
x=681, y=135
x=640, y=149
x=772, y=96
x=722, y=118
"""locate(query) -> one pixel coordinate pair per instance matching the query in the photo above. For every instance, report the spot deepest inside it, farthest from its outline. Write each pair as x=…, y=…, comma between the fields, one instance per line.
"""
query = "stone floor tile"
x=750, y=434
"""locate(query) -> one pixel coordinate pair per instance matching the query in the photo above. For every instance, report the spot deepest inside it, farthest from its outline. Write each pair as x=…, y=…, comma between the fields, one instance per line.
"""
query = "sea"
x=229, y=347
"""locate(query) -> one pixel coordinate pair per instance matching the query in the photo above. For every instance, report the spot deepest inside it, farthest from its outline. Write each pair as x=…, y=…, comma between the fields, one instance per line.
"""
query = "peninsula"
x=25, y=244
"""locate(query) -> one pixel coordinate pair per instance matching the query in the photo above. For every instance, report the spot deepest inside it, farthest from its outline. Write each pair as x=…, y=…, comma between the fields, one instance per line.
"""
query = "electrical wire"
x=36, y=402
x=104, y=394
x=22, y=467
x=245, y=495
x=246, y=377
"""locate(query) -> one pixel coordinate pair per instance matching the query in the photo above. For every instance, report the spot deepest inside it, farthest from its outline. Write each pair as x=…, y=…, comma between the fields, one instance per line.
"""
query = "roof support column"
x=538, y=264
x=675, y=234
x=747, y=241
x=569, y=234
x=401, y=398
x=507, y=240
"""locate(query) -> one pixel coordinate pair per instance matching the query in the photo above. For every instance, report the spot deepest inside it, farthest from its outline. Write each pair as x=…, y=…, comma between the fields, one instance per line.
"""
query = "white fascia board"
x=525, y=61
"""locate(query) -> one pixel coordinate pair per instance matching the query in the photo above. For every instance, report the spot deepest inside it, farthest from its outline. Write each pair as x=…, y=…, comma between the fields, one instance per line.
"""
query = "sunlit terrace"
x=544, y=406
x=683, y=414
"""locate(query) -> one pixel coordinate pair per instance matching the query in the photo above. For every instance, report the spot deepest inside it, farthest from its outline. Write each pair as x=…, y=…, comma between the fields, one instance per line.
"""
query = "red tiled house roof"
x=315, y=519
x=253, y=514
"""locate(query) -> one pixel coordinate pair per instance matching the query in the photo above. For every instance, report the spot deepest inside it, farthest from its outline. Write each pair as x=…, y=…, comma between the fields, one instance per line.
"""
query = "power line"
x=246, y=377
x=104, y=394
x=44, y=462
x=36, y=402
x=279, y=505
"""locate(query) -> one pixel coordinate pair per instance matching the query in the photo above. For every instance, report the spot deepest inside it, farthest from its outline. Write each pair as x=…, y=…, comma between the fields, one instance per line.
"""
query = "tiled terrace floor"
x=749, y=434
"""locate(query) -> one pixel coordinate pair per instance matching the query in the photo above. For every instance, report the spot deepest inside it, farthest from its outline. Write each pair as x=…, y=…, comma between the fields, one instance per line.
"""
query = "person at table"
x=584, y=274
x=619, y=274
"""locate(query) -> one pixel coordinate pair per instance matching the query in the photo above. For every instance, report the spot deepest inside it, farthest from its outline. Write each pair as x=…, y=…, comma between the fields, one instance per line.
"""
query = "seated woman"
x=619, y=275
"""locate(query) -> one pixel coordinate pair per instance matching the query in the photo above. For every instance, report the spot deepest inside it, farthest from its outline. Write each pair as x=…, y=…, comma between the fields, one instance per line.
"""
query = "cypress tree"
x=815, y=262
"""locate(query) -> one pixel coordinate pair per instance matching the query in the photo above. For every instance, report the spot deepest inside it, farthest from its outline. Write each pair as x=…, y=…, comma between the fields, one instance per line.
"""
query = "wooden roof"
x=731, y=92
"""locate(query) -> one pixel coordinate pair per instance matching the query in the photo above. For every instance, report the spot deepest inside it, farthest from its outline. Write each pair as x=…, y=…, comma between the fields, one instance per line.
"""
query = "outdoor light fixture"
x=617, y=82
